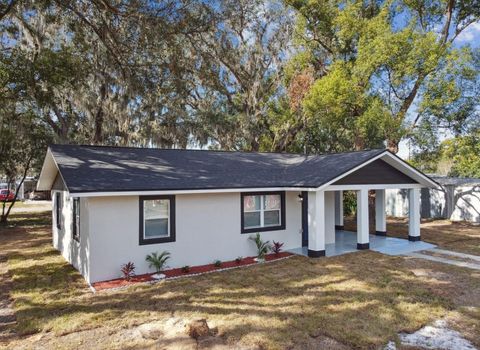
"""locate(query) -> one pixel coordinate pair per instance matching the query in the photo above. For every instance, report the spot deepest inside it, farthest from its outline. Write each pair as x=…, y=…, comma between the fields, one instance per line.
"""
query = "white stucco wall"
x=466, y=204
x=207, y=228
x=396, y=203
x=457, y=203
x=75, y=252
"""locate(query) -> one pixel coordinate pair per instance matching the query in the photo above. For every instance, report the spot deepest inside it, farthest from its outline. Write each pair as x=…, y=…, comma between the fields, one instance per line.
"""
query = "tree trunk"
x=359, y=143
x=254, y=145
x=392, y=145
x=287, y=139
x=4, y=218
x=100, y=116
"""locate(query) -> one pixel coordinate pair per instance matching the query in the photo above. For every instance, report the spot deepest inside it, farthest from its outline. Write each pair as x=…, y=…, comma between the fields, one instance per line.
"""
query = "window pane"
x=251, y=219
x=272, y=201
x=156, y=228
x=156, y=215
x=157, y=208
x=251, y=203
x=271, y=218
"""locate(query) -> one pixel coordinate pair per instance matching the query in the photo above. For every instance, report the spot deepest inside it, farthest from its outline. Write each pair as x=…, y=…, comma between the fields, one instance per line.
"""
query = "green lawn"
x=360, y=300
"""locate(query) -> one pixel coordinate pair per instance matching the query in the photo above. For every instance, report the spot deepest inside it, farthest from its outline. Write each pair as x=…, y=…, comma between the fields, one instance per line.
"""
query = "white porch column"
x=316, y=224
x=329, y=217
x=362, y=220
x=414, y=214
x=339, y=210
x=380, y=213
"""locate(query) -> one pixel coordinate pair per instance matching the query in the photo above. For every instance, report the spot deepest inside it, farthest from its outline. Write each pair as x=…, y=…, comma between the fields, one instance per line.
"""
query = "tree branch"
x=7, y=9
x=449, y=13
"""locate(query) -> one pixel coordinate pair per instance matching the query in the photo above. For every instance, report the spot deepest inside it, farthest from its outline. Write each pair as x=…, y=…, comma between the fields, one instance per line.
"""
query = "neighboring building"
x=456, y=199
x=113, y=205
x=27, y=189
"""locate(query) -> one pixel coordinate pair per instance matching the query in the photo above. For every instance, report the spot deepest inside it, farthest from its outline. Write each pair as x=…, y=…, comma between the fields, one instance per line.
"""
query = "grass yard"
x=360, y=300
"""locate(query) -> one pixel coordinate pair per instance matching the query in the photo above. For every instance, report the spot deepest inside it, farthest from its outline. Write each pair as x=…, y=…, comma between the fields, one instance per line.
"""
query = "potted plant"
x=128, y=270
x=186, y=269
x=217, y=263
x=158, y=261
x=262, y=247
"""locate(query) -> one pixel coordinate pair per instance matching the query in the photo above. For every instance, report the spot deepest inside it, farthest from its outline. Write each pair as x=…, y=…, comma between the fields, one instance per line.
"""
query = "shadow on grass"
x=362, y=299
x=28, y=219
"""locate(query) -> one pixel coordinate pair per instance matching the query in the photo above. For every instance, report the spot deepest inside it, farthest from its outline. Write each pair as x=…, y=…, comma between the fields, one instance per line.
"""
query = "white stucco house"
x=113, y=205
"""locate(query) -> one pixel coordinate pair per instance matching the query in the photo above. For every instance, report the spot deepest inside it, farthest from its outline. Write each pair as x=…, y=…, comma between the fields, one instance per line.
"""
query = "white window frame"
x=156, y=217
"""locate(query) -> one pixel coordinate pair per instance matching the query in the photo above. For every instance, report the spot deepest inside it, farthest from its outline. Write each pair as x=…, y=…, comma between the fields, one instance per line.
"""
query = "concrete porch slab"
x=346, y=242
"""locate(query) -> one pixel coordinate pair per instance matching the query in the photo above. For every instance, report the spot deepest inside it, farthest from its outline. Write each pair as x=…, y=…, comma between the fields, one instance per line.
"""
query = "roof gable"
x=376, y=172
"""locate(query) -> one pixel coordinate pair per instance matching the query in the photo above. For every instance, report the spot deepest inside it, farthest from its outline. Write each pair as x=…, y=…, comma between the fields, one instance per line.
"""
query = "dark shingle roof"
x=108, y=169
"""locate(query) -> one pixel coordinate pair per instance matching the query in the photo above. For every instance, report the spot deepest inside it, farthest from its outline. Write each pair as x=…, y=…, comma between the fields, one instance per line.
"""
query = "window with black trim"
x=58, y=210
x=263, y=211
x=157, y=219
x=76, y=219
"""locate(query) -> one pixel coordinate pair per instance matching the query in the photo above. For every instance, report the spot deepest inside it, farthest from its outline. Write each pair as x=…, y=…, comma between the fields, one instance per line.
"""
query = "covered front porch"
x=323, y=210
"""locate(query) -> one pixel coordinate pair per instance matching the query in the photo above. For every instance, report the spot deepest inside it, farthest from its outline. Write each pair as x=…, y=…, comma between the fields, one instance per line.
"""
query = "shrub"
x=349, y=203
x=128, y=270
x=262, y=247
x=277, y=247
x=238, y=260
x=186, y=269
x=217, y=263
x=158, y=261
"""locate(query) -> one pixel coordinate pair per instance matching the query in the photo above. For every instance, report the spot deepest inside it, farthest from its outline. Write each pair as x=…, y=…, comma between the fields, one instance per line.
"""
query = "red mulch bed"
x=120, y=282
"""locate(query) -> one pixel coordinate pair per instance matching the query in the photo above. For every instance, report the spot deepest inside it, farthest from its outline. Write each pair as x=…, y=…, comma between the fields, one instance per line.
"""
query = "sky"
x=471, y=36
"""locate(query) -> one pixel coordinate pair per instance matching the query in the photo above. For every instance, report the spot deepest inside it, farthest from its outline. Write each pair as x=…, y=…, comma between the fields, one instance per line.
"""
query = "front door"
x=304, y=219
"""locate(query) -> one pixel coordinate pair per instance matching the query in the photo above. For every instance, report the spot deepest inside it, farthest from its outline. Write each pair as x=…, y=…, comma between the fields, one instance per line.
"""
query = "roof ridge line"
x=214, y=151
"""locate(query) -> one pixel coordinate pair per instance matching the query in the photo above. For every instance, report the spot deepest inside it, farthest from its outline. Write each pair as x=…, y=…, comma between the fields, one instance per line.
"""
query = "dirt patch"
x=436, y=336
x=320, y=342
x=170, y=333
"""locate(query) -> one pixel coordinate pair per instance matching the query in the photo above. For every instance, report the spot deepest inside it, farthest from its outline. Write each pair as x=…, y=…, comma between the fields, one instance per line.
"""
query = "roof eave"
x=48, y=173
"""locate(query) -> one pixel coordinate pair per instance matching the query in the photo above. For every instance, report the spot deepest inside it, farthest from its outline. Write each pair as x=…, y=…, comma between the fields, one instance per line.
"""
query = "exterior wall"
x=75, y=252
x=457, y=203
x=396, y=202
x=207, y=228
x=466, y=204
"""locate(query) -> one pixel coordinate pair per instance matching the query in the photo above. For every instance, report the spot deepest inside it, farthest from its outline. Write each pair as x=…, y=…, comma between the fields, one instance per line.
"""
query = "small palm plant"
x=158, y=261
x=262, y=247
